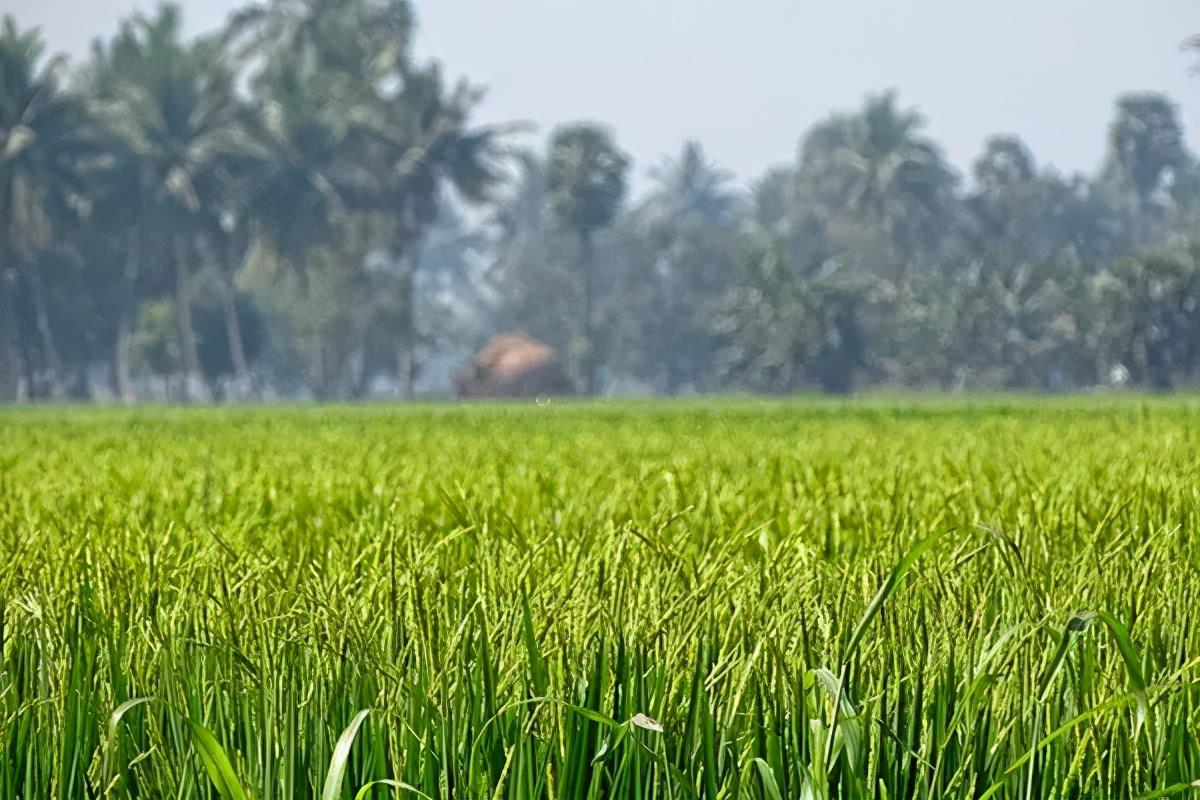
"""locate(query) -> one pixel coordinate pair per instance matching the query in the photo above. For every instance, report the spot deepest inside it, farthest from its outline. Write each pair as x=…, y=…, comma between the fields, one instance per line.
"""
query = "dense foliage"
x=295, y=206
x=759, y=600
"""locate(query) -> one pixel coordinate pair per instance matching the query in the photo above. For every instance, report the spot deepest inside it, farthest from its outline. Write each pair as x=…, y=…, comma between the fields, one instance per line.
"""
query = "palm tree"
x=526, y=282
x=295, y=213
x=1145, y=141
x=226, y=230
x=420, y=135
x=586, y=184
x=1146, y=150
x=874, y=172
x=365, y=39
x=174, y=108
x=1004, y=163
x=44, y=146
x=1150, y=305
x=792, y=322
x=688, y=186
x=301, y=133
x=1006, y=204
x=520, y=213
x=353, y=129
x=688, y=220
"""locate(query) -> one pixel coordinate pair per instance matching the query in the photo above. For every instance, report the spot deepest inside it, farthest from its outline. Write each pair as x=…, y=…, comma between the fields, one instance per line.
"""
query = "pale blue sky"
x=747, y=78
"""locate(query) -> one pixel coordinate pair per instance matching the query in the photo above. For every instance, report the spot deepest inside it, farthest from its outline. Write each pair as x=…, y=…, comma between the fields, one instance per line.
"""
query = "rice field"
x=891, y=598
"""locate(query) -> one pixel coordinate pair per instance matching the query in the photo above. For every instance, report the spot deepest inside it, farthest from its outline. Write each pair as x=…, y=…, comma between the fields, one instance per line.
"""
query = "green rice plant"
x=879, y=598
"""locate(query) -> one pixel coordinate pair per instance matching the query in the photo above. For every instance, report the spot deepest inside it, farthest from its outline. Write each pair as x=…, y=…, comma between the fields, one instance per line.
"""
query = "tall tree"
x=787, y=324
x=363, y=38
x=879, y=185
x=1146, y=154
x=1150, y=305
x=587, y=183
x=421, y=136
x=527, y=284
x=175, y=108
x=688, y=222
x=689, y=186
x=395, y=139
x=1010, y=206
x=46, y=143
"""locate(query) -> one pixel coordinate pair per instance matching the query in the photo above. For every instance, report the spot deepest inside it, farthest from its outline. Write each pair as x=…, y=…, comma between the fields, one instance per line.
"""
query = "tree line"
x=295, y=206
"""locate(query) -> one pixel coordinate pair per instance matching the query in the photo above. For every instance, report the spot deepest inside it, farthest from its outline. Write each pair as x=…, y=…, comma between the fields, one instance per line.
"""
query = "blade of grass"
x=216, y=764
x=885, y=590
x=341, y=756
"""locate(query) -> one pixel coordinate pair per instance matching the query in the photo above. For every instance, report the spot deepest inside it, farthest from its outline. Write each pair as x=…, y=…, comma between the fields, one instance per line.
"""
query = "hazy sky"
x=747, y=78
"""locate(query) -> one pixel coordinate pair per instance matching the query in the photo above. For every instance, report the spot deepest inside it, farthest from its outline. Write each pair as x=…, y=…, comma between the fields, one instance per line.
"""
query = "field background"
x=893, y=597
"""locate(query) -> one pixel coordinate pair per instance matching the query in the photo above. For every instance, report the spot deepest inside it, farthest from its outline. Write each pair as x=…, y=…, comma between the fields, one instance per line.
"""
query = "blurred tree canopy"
x=296, y=206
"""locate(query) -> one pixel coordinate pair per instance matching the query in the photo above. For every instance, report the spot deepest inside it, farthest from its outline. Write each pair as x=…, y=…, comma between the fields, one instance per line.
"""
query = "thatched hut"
x=514, y=365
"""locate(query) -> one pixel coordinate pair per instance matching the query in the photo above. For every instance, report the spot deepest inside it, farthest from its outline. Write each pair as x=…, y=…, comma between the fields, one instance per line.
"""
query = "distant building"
x=514, y=365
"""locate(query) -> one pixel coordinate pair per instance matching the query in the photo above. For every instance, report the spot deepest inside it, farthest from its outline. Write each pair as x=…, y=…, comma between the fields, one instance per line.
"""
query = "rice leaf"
x=341, y=756
x=216, y=764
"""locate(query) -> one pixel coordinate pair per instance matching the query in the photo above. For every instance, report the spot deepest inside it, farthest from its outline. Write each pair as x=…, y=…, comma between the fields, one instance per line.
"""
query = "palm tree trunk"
x=125, y=317
x=27, y=388
x=193, y=377
x=233, y=332
x=317, y=367
x=41, y=317
x=587, y=257
x=406, y=358
x=406, y=371
x=362, y=381
x=9, y=359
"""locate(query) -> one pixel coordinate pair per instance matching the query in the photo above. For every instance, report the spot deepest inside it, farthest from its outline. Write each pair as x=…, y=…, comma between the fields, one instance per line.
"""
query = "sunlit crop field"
x=881, y=599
